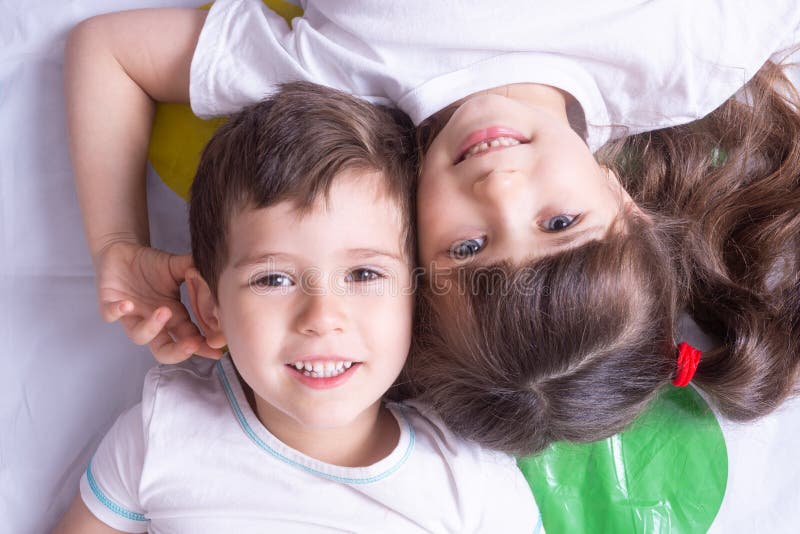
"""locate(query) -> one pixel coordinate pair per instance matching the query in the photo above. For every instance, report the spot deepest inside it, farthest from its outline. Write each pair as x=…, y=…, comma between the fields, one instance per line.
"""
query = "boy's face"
x=316, y=308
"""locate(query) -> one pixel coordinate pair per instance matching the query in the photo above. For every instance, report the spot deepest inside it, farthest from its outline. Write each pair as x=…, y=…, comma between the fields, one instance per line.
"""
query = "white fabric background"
x=68, y=374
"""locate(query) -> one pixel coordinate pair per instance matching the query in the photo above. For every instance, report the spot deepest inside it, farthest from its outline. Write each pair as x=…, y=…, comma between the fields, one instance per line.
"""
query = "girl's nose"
x=499, y=186
x=506, y=197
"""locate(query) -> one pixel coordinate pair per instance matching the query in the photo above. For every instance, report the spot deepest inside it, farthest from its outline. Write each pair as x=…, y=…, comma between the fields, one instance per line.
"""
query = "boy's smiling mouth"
x=322, y=368
x=323, y=372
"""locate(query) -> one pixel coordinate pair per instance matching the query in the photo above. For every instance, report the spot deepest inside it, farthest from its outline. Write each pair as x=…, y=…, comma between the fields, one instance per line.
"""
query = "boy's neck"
x=367, y=440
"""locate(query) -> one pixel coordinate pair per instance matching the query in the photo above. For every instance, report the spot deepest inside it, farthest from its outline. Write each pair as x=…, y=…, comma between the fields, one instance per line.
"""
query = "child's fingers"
x=187, y=338
x=185, y=329
x=166, y=350
x=112, y=311
x=144, y=331
x=208, y=352
x=179, y=264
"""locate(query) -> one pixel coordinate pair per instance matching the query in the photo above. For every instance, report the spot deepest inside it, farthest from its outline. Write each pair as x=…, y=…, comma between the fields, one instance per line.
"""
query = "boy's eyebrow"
x=364, y=253
x=355, y=253
x=262, y=258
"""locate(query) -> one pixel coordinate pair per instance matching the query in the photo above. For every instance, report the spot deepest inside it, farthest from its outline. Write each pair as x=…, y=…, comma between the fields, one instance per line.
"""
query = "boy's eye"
x=461, y=250
x=363, y=275
x=559, y=223
x=272, y=280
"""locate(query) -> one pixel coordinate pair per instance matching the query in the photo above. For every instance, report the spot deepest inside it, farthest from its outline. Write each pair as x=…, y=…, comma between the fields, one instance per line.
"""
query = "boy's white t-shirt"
x=193, y=457
x=632, y=65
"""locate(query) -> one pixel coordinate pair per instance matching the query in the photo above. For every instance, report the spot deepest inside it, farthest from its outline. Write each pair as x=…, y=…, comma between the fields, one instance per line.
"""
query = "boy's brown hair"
x=292, y=146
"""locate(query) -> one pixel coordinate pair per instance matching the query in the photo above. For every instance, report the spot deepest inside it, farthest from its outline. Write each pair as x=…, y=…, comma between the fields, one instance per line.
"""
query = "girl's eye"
x=272, y=280
x=363, y=275
x=559, y=223
x=461, y=250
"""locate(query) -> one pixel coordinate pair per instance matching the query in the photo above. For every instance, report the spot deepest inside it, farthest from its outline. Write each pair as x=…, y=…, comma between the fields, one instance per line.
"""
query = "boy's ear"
x=205, y=308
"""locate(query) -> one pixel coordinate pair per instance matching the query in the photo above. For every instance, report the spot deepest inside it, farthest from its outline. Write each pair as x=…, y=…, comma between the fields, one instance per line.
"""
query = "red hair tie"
x=688, y=358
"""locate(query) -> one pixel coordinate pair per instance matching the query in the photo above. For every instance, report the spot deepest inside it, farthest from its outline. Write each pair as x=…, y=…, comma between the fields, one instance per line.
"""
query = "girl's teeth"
x=494, y=143
x=322, y=369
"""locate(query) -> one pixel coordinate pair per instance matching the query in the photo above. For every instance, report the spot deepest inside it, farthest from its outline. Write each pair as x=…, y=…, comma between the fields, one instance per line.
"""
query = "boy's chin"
x=332, y=417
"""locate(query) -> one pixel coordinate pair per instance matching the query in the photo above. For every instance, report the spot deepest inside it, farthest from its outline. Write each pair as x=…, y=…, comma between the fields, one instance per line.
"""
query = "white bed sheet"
x=70, y=374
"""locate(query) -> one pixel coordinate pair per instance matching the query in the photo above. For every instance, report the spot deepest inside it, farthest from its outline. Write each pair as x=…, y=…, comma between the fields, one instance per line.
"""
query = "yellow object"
x=178, y=136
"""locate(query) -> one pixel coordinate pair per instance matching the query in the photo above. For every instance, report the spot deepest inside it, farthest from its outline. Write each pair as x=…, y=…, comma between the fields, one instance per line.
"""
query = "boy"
x=301, y=233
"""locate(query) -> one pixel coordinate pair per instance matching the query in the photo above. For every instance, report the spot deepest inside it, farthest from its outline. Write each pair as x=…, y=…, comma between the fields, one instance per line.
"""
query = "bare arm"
x=79, y=520
x=116, y=65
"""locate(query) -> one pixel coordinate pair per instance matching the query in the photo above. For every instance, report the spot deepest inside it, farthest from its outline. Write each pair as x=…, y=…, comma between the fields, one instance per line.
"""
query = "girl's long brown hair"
x=731, y=182
x=574, y=346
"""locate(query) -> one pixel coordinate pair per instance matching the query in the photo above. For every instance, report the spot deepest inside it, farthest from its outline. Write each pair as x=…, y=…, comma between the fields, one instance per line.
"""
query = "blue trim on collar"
x=258, y=441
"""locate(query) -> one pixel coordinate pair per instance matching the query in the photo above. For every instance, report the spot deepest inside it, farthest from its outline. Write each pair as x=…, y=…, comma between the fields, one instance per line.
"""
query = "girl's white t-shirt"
x=632, y=65
x=193, y=457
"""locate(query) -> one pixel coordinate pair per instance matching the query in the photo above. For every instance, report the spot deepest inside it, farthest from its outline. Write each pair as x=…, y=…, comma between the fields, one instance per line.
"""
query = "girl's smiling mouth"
x=488, y=140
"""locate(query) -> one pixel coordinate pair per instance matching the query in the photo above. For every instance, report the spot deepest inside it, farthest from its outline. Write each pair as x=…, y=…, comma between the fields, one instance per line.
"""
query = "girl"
x=572, y=346
x=510, y=176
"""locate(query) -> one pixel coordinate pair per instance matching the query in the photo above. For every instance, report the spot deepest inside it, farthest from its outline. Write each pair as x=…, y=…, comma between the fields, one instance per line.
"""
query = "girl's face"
x=509, y=180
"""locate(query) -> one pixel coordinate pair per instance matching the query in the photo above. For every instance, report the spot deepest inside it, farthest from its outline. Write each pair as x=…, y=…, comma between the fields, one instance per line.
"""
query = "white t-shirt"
x=632, y=65
x=194, y=458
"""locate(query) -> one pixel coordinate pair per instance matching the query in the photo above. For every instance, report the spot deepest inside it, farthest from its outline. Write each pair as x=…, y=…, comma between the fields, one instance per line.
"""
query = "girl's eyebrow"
x=573, y=238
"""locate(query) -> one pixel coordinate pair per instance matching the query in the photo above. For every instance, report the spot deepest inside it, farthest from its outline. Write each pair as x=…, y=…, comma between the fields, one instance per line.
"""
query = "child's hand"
x=140, y=287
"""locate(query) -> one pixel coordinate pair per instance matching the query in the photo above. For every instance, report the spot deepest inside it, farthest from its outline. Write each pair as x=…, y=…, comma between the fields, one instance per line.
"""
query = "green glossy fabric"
x=666, y=473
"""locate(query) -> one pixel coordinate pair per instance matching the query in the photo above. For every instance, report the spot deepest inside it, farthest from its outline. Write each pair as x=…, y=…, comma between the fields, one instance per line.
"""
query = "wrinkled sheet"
x=69, y=374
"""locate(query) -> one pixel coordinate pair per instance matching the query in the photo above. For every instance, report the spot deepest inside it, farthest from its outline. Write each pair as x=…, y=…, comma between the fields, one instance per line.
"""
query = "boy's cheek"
x=391, y=313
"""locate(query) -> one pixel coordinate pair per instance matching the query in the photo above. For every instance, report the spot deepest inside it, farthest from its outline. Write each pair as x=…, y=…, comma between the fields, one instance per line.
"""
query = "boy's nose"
x=322, y=314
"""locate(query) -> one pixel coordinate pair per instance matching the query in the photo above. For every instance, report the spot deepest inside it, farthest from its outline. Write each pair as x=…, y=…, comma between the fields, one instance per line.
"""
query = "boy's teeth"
x=493, y=143
x=322, y=369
